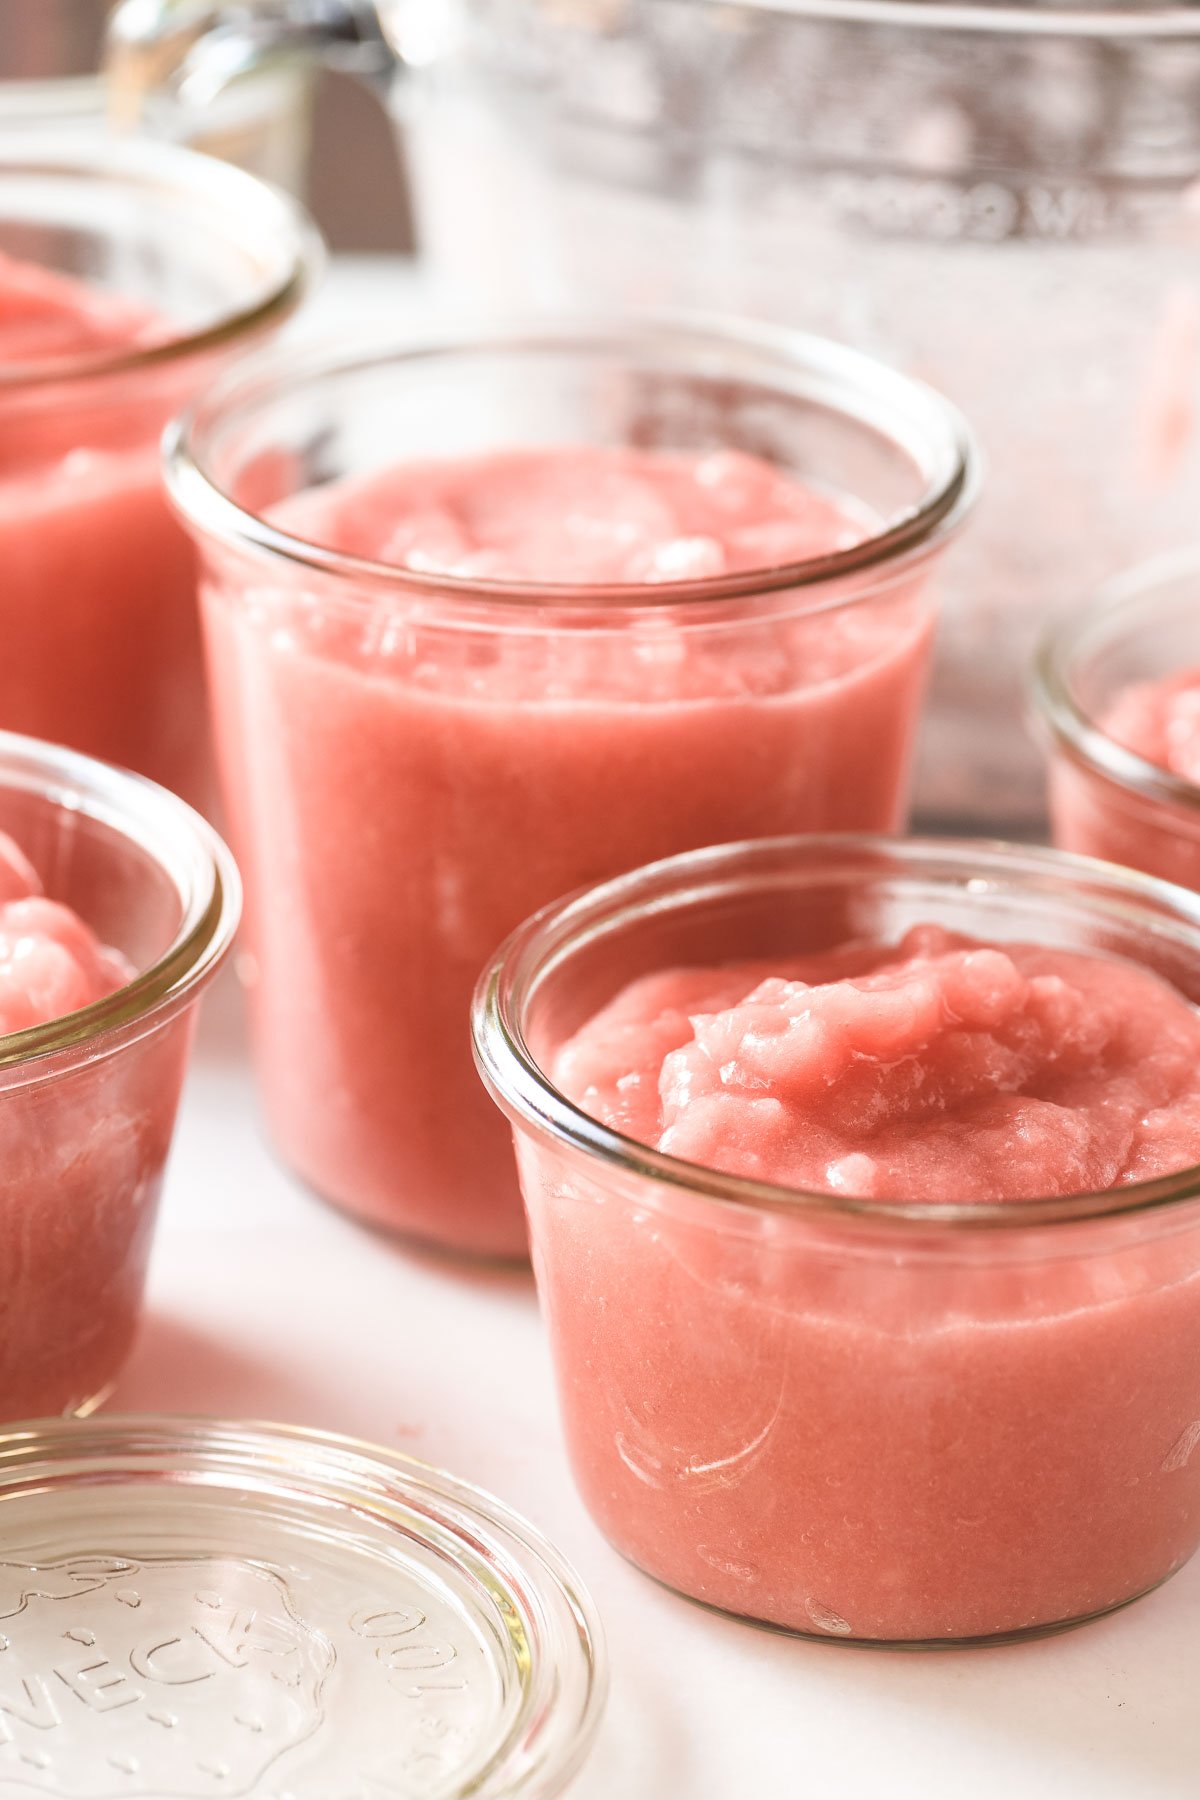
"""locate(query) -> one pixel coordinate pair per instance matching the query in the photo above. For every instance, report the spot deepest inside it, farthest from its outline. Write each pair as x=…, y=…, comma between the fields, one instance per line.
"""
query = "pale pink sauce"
x=939, y=1070
x=1160, y=720
x=50, y=961
x=405, y=790
x=583, y=514
x=1096, y=816
x=97, y=598
x=45, y=316
x=82, y=1155
x=860, y=1430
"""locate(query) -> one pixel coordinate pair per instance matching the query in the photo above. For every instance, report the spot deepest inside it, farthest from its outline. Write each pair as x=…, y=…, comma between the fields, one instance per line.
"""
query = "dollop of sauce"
x=941, y=1069
x=51, y=962
x=1160, y=720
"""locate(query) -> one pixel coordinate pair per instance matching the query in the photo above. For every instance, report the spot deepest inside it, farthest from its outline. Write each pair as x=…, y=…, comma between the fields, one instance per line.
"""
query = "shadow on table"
x=497, y=1276
x=176, y=1368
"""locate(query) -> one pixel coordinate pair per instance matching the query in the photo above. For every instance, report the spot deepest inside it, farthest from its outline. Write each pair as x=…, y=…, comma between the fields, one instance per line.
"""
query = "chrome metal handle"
x=186, y=52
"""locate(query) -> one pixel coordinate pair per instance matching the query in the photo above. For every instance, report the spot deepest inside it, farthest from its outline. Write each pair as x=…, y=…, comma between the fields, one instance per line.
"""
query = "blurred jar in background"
x=315, y=133
x=1116, y=693
x=50, y=51
x=1002, y=200
x=129, y=273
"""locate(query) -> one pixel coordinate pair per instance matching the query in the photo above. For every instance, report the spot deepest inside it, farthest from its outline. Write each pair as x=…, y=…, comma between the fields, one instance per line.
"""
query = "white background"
x=265, y=1304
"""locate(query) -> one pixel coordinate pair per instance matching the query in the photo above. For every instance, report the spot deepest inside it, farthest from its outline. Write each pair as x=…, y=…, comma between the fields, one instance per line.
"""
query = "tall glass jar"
x=97, y=599
x=413, y=761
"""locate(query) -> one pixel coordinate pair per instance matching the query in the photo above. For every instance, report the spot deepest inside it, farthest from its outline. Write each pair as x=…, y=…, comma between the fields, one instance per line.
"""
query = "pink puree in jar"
x=50, y=961
x=582, y=514
x=82, y=1155
x=831, y=1428
x=407, y=784
x=1159, y=721
x=97, y=591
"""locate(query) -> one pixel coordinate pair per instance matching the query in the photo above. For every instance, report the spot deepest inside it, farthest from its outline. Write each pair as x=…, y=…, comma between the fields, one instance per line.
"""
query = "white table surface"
x=265, y=1304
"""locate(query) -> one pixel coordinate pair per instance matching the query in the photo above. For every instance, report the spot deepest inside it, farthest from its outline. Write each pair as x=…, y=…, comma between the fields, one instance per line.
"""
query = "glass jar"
x=999, y=198
x=872, y=1421
x=97, y=605
x=1106, y=800
x=88, y=1101
x=412, y=762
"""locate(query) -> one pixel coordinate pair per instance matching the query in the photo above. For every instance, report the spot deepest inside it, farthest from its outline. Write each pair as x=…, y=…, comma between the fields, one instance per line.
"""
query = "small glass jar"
x=414, y=762
x=88, y=1101
x=1105, y=799
x=97, y=603
x=876, y=1421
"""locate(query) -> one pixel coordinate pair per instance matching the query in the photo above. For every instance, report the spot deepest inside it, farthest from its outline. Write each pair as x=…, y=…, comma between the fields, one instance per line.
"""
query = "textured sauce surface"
x=942, y=1069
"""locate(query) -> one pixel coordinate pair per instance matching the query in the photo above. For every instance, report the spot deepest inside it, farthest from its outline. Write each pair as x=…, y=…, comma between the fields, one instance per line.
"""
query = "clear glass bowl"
x=1105, y=799
x=269, y=1612
x=88, y=1101
x=97, y=605
x=870, y=1421
x=413, y=762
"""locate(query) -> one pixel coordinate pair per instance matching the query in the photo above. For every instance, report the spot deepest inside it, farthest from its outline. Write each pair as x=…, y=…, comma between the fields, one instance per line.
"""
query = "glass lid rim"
x=537, y=1756
x=161, y=170
x=144, y=814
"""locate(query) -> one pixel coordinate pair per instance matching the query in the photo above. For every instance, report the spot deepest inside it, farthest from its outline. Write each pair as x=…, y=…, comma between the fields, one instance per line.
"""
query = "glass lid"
x=195, y=1608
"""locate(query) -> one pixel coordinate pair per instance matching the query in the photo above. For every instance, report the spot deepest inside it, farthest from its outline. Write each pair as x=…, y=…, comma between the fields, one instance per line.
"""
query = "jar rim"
x=255, y=211
x=1058, y=713
x=1005, y=19
x=501, y=1586
x=180, y=842
x=846, y=380
x=525, y=1092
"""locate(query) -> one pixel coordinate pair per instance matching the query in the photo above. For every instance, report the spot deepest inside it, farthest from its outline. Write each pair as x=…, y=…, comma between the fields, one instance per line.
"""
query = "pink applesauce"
x=837, y=1426
x=82, y=1154
x=410, y=775
x=97, y=596
x=47, y=317
x=50, y=961
x=583, y=515
x=940, y=1070
x=1160, y=722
